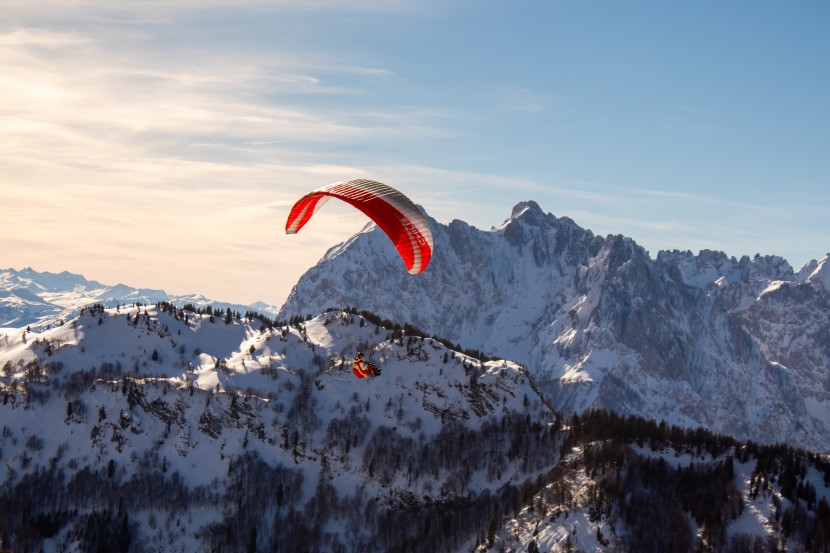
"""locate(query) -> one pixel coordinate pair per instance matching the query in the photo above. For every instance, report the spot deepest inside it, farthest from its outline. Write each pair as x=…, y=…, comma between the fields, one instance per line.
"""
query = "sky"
x=161, y=143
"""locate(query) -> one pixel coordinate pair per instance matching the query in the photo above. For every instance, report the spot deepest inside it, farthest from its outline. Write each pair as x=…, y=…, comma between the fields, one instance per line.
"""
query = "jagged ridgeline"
x=157, y=428
x=737, y=345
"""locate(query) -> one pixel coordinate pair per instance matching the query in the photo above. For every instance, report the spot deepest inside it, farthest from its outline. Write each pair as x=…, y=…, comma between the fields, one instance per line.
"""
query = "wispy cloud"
x=104, y=155
x=523, y=101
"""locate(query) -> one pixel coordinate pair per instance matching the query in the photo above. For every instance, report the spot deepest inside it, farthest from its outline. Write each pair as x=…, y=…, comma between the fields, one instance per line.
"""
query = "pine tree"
x=252, y=541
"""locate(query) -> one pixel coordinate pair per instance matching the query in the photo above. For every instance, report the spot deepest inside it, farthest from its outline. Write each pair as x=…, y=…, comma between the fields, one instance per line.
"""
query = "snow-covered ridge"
x=130, y=395
x=821, y=273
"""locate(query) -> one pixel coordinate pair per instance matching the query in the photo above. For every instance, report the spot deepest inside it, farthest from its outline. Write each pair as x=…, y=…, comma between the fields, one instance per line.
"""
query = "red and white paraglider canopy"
x=393, y=212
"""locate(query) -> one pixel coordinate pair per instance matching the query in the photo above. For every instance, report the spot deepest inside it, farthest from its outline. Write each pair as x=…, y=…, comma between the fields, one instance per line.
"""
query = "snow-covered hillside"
x=223, y=433
x=741, y=346
x=155, y=428
x=40, y=300
x=631, y=485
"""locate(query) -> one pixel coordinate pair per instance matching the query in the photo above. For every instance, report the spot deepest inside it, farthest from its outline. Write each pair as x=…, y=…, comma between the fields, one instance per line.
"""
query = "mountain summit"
x=739, y=346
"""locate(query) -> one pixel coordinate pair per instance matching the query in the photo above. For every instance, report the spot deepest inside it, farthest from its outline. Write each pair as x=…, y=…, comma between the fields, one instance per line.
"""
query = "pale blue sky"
x=161, y=144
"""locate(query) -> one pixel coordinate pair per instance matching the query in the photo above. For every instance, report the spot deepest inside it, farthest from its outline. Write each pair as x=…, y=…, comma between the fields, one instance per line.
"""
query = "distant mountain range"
x=40, y=300
x=740, y=346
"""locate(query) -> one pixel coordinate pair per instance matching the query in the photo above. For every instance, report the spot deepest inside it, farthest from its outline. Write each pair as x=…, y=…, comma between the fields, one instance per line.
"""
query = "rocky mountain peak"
x=821, y=273
x=601, y=324
x=528, y=209
x=526, y=222
x=769, y=267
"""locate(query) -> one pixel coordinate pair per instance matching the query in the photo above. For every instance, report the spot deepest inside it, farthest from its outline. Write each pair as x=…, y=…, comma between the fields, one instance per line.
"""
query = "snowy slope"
x=157, y=429
x=685, y=493
x=118, y=398
x=736, y=345
x=39, y=300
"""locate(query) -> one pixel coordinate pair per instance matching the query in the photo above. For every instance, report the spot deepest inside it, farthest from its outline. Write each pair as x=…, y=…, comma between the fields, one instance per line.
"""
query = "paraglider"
x=392, y=211
x=362, y=368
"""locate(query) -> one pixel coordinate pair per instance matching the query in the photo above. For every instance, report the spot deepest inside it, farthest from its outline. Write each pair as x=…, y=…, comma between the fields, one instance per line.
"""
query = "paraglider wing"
x=392, y=211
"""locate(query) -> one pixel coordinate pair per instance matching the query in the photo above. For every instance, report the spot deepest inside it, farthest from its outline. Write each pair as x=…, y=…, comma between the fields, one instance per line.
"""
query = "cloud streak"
x=118, y=152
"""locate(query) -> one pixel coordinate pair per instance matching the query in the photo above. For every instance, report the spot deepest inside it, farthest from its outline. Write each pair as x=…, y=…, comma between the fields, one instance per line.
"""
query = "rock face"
x=739, y=346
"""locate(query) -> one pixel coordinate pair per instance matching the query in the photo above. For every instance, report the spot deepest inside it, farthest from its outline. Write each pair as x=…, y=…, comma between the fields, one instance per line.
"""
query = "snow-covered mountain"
x=30, y=298
x=740, y=346
x=171, y=430
x=162, y=429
